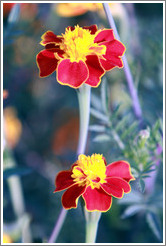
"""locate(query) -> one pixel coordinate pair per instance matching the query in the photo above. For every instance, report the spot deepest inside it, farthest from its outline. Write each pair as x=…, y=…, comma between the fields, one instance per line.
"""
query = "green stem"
x=83, y=93
x=92, y=221
x=92, y=218
x=91, y=232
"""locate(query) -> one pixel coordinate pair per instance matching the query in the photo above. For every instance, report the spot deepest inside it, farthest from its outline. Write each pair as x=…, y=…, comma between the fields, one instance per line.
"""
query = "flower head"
x=95, y=181
x=80, y=55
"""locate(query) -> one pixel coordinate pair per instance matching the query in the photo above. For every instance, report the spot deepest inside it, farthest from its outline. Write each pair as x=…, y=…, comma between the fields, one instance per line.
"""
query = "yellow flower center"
x=89, y=171
x=79, y=43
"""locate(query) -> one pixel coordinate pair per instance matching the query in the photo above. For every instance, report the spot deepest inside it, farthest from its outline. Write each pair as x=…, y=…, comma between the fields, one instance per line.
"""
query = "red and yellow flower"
x=91, y=178
x=81, y=55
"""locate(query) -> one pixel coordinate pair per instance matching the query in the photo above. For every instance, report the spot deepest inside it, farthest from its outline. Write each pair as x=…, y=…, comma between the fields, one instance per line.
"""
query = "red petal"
x=106, y=64
x=51, y=46
x=49, y=37
x=116, y=61
x=104, y=160
x=95, y=71
x=97, y=199
x=72, y=74
x=114, y=48
x=104, y=35
x=70, y=28
x=92, y=28
x=47, y=62
x=113, y=62
x=119, y=169
x=63, y=180
x=70, y=197
x=116, y=187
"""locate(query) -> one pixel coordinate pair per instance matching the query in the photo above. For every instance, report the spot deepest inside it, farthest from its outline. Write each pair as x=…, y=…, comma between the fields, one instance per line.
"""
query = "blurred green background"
x=42, y=117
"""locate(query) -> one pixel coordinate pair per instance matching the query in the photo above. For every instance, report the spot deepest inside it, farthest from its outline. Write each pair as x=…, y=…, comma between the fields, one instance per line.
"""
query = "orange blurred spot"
x=5, y=94
x=12, y=127
x=74, y=9
x=7, y=238
x=66, y=136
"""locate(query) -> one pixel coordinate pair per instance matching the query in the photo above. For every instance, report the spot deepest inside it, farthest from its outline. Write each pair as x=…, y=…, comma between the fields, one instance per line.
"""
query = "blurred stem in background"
x=83, y=93
x=17, y=199
x=129, y=78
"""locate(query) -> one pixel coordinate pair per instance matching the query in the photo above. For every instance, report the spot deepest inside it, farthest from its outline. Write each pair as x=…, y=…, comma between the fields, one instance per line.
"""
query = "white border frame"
x=163, y=123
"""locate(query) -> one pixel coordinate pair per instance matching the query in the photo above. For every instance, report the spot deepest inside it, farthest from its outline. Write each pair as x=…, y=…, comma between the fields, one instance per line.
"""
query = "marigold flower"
x=81, y=55
x=95, y=181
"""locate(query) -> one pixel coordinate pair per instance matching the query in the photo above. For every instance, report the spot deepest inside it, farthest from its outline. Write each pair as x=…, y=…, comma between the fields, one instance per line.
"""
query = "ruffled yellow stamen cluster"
x=90, y=170
x=79, y=43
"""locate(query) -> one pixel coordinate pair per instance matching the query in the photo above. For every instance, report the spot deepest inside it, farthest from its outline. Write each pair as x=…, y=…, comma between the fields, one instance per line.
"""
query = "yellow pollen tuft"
x=90, y=170
x=79, y=43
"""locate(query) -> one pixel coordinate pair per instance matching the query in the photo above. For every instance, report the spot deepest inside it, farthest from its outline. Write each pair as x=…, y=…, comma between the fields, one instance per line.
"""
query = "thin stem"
x=58, y=226
x=83, y=93
x=129, y=78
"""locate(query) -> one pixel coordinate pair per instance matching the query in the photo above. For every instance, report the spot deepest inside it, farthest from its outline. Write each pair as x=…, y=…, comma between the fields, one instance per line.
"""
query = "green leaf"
x=134, y=172
x=19, y=171
x=154, y=224
x=156, y=127
x=96, y=102
x=115, y=112
x=129, y=130
x=102, y=138
x=149, y=165
x=97, y=128
x=134, y=197
x=150, y=170
x=122, y=123
x=141, y=185
x=132, y=210
x=146, y=176
x=99, y=115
